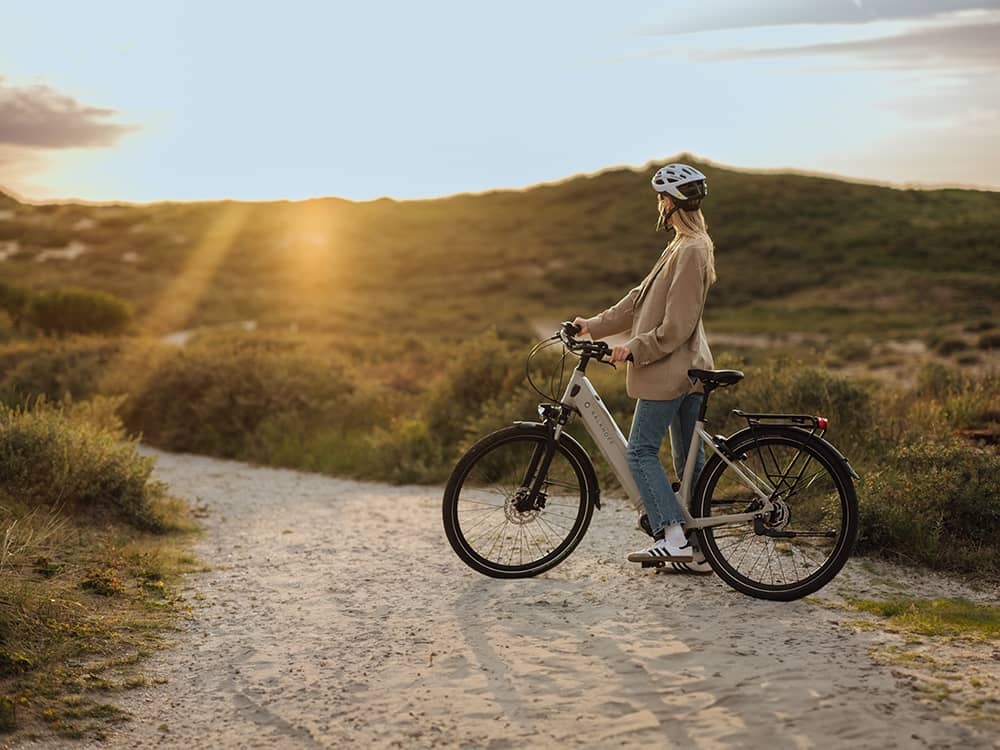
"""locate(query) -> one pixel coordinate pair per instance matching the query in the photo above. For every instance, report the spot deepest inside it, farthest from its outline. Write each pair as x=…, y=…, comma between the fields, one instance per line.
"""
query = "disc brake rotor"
x=523, y=516
x=780, y=516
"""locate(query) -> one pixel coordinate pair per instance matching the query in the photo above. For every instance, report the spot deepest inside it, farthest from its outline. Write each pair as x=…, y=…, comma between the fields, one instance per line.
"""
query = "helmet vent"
x=680, y=181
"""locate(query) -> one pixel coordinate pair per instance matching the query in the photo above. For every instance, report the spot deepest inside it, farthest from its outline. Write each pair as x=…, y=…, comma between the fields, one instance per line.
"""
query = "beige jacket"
x=663, y=315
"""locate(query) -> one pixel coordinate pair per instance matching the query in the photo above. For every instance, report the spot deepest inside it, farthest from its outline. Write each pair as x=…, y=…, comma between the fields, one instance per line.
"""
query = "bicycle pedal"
x=653, y=564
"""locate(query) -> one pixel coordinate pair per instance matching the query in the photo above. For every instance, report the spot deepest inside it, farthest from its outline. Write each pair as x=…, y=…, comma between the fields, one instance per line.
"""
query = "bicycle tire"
x=827, y=501
x=518, y=441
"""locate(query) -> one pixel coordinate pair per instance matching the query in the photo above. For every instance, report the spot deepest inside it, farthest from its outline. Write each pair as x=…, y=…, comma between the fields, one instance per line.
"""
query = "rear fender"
x=738, y=437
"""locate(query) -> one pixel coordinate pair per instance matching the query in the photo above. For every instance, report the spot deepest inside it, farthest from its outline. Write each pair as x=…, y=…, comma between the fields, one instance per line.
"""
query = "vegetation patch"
x=939, y=648
x=989, y=341
x=65, y=311
x=76, y=458
x=935, y=617
x=83, y=539
x=391, y=334
x=929, y=494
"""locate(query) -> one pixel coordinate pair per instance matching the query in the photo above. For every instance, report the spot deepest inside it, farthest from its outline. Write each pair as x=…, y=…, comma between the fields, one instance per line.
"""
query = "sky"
x=110, y=100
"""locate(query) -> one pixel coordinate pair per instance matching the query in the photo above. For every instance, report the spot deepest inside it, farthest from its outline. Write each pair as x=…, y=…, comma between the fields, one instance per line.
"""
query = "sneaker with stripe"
x=664, y=551
x=697, y=567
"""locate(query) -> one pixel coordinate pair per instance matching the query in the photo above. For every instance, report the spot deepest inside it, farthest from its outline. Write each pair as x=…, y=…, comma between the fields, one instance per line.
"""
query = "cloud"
x=738, y=14
x=38, y=116
x=17, y=162
x=954, y=46
x=962, y=153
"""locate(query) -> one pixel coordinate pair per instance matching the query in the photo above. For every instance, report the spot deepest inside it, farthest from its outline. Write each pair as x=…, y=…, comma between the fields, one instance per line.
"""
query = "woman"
x=663, y=316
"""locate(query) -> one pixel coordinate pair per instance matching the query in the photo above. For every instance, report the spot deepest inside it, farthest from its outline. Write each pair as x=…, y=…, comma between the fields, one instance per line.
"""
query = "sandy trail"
x=336, y=615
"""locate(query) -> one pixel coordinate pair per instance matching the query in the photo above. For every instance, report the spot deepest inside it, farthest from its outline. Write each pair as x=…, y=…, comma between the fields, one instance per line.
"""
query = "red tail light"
x=822, y=422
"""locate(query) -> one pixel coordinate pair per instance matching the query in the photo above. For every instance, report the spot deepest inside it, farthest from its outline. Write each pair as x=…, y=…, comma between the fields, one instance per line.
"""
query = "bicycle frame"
x=581, y=396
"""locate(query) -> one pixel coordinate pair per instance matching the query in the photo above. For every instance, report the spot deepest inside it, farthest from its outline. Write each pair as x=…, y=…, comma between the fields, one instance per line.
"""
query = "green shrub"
x=947, y=399
x=423, y=446
x=288, y=403
x=291, y=402
x=852, y=349
x=14, y=301
x=989, y=341
x=216, y=399
x=790, y=387
x=59, y=457
x=979, y=325
x=408, y=452
x=487, y=369
x=934, y=503
x=947, y=346
x=935, y=380
x=64, y=311
x=334, y=449
x=55, y=369
x=78, y=563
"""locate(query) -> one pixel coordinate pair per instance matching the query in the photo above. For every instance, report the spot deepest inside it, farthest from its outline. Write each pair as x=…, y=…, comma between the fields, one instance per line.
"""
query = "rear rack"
x=816, y=425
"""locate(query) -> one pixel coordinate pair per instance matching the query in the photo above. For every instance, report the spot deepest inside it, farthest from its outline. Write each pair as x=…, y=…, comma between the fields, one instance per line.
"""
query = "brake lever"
x=606, y=353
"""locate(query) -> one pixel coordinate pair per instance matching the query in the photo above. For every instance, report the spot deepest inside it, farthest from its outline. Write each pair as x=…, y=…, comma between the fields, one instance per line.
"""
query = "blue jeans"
x=649, y=426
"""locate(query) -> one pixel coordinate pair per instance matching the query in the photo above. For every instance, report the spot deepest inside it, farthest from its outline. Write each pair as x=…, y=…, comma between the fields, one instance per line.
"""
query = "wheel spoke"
x=484, y=521
x=811, y=516
x=489, y=525
x=490, y=531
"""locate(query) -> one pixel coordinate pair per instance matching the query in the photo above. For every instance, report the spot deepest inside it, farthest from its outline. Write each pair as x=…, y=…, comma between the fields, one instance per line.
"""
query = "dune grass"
x=90, y=553
x=929, y=495
x=391, y=334
x=794, y=253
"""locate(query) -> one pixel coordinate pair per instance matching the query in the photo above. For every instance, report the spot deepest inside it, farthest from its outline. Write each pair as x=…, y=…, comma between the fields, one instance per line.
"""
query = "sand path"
x=336, y=615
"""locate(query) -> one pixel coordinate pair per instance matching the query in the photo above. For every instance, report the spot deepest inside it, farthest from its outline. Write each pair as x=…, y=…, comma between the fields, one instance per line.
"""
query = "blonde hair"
x=693, y=224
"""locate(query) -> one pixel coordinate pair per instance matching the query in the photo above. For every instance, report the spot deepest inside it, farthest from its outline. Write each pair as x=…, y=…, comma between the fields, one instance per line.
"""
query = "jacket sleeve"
x=616, y=318
x=684, y=305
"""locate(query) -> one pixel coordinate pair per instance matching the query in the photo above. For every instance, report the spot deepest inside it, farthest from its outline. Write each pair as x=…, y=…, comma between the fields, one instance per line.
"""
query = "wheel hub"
x=780, y=516
x=519, y=511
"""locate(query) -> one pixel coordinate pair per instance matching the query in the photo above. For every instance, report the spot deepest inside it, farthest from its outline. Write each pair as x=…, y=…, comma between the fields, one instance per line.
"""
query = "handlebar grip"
x=570, y=327
x=630, y=358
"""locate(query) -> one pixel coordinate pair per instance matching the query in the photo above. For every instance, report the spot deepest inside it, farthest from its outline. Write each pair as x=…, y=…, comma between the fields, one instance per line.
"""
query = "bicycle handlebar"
x=597, y=349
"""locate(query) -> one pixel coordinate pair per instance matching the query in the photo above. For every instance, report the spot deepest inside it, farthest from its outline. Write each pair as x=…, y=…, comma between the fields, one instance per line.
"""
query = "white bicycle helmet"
x=686, y=185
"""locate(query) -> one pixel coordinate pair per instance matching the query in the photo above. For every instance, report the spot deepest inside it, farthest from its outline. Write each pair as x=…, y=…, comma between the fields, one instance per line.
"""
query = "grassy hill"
x=369, y=358
x=794, y=253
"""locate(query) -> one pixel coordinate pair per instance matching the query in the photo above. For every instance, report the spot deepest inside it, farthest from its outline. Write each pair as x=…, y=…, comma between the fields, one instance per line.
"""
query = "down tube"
x=609, y=439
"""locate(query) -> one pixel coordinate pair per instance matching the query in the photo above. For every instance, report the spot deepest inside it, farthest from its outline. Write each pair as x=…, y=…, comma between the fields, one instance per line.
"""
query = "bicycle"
x=520, y=500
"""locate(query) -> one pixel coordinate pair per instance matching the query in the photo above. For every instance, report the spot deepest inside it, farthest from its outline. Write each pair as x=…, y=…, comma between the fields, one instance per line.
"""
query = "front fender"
x=573, y=446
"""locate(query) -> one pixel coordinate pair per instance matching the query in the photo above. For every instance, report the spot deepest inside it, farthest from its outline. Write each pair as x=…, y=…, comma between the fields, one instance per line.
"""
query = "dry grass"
x=86, y=588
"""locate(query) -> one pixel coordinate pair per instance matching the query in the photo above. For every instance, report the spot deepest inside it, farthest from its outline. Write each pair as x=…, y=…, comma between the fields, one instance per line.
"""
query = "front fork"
x=534, y=476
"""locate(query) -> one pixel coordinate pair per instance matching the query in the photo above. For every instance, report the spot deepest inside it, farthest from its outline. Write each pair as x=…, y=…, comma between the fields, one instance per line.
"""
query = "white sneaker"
x=699, y=567
x=663, y=551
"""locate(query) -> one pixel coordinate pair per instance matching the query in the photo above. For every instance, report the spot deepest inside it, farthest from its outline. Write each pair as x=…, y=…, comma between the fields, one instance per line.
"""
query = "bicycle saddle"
x=716, y=378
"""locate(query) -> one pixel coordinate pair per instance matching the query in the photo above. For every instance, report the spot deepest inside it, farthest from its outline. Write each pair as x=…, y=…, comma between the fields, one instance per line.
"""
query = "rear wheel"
x=800, y=546
x=491, y=520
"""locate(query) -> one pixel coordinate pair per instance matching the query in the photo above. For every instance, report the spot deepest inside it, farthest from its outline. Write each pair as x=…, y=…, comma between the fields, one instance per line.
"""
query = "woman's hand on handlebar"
x=620, y=354
x=581, y=323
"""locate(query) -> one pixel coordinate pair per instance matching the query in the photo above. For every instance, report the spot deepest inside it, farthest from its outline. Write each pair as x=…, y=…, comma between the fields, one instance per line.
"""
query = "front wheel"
x=495, y=522
x=804, y=542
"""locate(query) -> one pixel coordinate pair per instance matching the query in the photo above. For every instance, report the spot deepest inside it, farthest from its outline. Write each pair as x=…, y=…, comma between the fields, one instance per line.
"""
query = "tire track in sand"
x=336, y=615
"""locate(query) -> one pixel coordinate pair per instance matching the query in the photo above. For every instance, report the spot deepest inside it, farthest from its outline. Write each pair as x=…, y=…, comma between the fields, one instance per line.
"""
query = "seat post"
x=704, y=402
